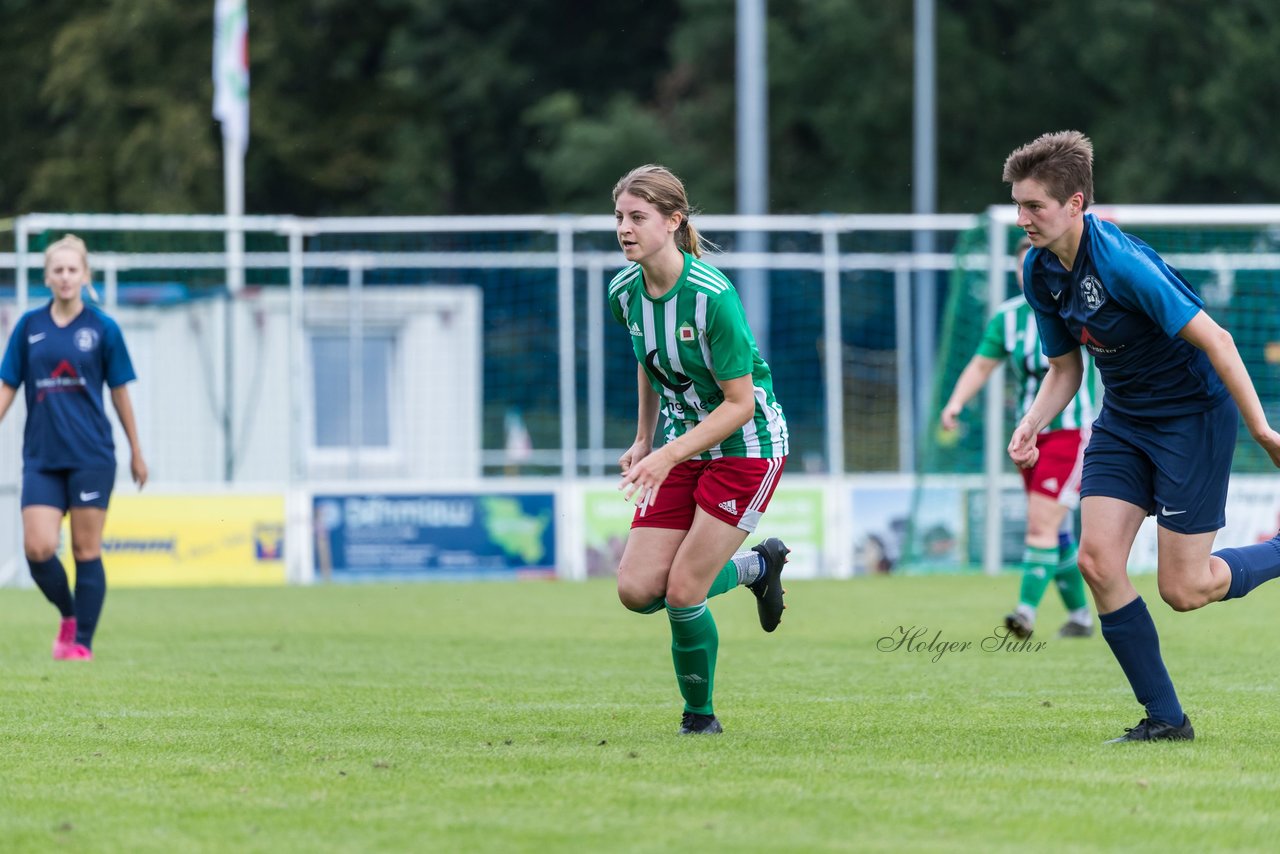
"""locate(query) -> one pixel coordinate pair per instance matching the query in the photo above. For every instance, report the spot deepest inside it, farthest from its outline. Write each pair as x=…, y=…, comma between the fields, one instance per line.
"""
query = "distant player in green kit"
x=1053, y=483
x=725, y=439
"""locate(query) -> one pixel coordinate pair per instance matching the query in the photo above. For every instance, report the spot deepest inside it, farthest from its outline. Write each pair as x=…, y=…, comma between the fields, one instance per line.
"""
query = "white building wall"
x=178, y=353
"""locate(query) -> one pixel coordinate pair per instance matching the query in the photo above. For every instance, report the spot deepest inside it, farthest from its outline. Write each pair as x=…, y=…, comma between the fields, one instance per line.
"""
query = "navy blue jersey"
x=64, y=369
x=1127, y=306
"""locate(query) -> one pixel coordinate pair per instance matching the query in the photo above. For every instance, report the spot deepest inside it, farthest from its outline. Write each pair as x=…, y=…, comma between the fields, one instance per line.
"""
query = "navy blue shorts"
x=66, y=488
x=1176, y=468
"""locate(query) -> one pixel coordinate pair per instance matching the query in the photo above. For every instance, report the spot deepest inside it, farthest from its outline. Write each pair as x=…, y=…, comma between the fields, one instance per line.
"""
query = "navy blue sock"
x=51, y=578
x=1251, y=565
x=1065, y=542
x=1131, y=633
x=91, y=589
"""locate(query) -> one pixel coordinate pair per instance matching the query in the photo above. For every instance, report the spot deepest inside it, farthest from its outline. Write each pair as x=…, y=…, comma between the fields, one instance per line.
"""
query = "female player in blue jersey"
x=1175, y=390
x=65, y=351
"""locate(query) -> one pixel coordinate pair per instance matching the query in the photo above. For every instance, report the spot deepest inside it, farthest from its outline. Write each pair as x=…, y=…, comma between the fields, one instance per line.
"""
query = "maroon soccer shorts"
x=1057, y=472
x=735, y=490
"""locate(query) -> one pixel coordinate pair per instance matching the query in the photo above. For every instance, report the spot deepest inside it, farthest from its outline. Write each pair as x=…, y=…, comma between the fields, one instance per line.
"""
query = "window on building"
x=352, y=397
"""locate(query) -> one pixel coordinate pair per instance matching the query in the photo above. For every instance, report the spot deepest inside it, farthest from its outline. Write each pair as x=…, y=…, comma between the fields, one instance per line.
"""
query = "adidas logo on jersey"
x=730, y=506
x=1050, y=483
x=635, y=330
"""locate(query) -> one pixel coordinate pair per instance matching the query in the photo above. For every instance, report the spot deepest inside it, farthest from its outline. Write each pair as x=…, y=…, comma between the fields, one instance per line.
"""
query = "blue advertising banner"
x=364, y=537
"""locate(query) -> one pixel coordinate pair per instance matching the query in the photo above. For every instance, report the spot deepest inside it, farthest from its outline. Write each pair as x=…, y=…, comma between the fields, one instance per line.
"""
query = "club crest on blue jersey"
x=86, y=339
x=1091, y=291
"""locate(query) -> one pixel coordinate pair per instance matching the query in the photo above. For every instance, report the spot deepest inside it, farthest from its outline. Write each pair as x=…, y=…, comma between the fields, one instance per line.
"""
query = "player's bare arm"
x=737, y=408
x=646, y=422
x=1204, y=332
x=7, y=394
x=972, y=379
x=124, y=410
x=1060, y=385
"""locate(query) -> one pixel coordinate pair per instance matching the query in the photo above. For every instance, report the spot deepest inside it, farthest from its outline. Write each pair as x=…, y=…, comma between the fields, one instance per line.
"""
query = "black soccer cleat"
x=695, y=724
x=1149, y=730
x=1019, y=626
x=768, y=587
x=1072, y=629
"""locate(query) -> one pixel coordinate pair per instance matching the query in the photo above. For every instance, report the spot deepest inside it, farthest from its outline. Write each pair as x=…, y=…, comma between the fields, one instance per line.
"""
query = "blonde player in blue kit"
x=1176, y=389
x=705, y=489
x=64, y=352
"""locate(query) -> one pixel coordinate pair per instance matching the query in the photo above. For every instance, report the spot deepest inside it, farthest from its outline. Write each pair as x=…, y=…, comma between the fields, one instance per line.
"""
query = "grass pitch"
x=542, y=717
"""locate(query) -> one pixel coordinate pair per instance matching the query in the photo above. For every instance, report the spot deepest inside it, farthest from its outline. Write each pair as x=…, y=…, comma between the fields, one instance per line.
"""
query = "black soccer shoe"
x=695, y=724
x=1018, y=625
x=1072, y=629
x=1149, y=730
x=768, y=587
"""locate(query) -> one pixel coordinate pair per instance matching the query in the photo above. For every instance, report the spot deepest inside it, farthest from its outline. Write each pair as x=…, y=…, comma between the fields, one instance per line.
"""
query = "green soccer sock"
x=1038, y=566
x=725, y=581
x=1070, y=583
x=694, y=642
x=730, y=576
x=742, y=568
x=653, y=607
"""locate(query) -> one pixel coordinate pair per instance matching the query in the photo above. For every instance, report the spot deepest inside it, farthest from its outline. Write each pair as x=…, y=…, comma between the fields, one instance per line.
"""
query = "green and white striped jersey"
x=693, y=335
x=1012, y=334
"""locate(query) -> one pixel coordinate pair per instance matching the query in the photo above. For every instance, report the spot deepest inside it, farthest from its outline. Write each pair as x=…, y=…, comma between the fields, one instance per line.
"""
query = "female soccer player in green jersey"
x=1053, y=483
x=725, y=437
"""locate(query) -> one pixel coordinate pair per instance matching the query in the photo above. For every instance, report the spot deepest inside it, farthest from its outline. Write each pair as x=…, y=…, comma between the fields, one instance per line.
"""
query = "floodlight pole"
x=753, y=159
x=924, y=194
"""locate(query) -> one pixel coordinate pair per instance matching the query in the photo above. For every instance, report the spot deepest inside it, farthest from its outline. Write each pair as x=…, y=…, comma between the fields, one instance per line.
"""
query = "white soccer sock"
x=750, y=566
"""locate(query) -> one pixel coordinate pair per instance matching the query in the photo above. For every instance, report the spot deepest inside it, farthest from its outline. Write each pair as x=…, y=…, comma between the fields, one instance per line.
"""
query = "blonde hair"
x=75, y=244
x=1062, y=161
x=658, y=186
x=67, y=241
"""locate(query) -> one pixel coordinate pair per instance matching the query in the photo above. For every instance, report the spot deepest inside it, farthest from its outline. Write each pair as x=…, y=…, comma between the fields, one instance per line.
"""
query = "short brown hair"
x=1062, y=161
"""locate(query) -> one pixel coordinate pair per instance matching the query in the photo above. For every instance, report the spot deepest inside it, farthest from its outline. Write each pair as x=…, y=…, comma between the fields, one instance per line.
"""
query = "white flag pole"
x=231, y=107
x=233, y=188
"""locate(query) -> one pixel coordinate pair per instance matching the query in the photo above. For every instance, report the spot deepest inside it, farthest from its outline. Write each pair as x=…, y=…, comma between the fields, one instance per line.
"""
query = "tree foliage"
x=484, y=106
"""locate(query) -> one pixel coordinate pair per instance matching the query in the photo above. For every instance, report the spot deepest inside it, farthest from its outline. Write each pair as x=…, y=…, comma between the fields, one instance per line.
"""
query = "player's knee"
x=1092, y=568
x=1183, y=598
x=685, y=593
x=1039, y=531
x=38, y=551
x=636, y=596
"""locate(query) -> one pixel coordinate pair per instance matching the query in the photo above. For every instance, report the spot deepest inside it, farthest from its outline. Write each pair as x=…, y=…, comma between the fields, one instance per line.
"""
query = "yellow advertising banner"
x=191, y=540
